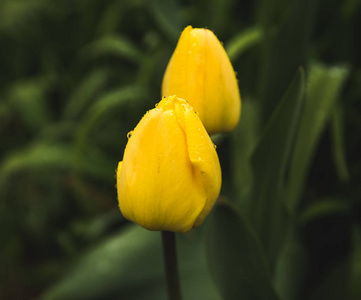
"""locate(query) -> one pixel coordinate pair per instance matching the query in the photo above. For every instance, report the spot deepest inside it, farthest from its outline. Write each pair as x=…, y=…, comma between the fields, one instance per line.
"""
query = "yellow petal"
x=200, y=72
x=204, y=158
x=164, y=182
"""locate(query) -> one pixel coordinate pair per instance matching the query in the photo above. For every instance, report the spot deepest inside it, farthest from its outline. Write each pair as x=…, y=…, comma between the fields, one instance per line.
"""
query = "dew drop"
x=215, y=147
x=129, y=134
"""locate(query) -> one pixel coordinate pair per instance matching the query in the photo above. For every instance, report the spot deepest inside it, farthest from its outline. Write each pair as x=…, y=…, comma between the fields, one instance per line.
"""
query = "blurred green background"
x=77, y=75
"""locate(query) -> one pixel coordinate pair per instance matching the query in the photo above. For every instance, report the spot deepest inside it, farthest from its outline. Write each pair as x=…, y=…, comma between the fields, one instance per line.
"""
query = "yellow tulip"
x=201, y=72
x=170, y=175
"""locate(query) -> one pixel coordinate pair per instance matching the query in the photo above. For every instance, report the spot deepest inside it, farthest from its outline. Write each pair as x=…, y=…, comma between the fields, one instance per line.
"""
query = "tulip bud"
x=170, y=175
x=201, y=72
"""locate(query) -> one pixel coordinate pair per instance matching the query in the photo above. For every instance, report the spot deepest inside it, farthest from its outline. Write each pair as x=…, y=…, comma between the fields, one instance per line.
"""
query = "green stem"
x=171, y=267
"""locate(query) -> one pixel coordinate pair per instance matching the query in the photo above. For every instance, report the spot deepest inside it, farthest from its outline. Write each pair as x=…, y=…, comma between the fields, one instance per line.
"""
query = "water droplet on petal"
x=215, y=147
x=129, y=134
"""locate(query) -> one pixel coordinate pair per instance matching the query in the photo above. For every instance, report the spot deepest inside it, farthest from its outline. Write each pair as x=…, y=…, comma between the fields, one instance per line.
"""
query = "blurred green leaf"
x=244, y=139
x=338, y=143
x=243, y=41
x=35, y=156
x=236, y=259
x=115, y=45
x=85, y=92
x=129, y=265
x=166, y=14
x=324, y=86
x=50, y=156
x=291, y=269
x=17, y=13
x=322, y=208
x=29, y=100
x=265, y=206
x=350, y=8
x=217, y=11
x=113, y=15
x=286, y=26
x=106, y=105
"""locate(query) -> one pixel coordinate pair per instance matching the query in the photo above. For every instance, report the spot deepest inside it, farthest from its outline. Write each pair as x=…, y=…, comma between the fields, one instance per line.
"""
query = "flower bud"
x=170, y=175
x=201, y=72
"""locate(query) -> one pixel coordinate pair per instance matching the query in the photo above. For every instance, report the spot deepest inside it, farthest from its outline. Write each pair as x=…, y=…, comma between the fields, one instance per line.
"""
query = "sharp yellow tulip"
x=170, y=175
x=201, y=72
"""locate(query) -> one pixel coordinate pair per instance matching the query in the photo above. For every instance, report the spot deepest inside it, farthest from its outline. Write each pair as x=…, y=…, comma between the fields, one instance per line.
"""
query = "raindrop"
x=215, y=147
x=129, y=134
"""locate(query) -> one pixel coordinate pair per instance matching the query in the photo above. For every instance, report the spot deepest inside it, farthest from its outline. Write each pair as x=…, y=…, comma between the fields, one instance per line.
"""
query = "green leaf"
x=322, y=208
x=244, y=139
x=115, y=45
x=34, y=157
x=83, y=95
x=165, y=14
x=105, y=105
x=291, y=268
x=338, y=143
x=236, y=259
x=129, y=265
x=287, y=27
x=265, y=205
x=324, y=86
x=28, y=99
x=52, y=157
x=243, y=41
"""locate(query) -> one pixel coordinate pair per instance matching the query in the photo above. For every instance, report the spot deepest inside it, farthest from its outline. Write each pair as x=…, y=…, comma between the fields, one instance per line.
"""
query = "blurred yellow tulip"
x=201, y=72
x=170, y=175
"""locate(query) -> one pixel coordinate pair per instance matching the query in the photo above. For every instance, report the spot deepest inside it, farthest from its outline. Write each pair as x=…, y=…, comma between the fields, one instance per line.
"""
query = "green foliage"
x=139, y=254
x=236, y=258
x=77, y=76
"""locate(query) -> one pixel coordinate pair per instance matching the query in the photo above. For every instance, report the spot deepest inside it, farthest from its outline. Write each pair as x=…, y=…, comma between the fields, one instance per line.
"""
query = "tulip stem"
x=171, y=266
